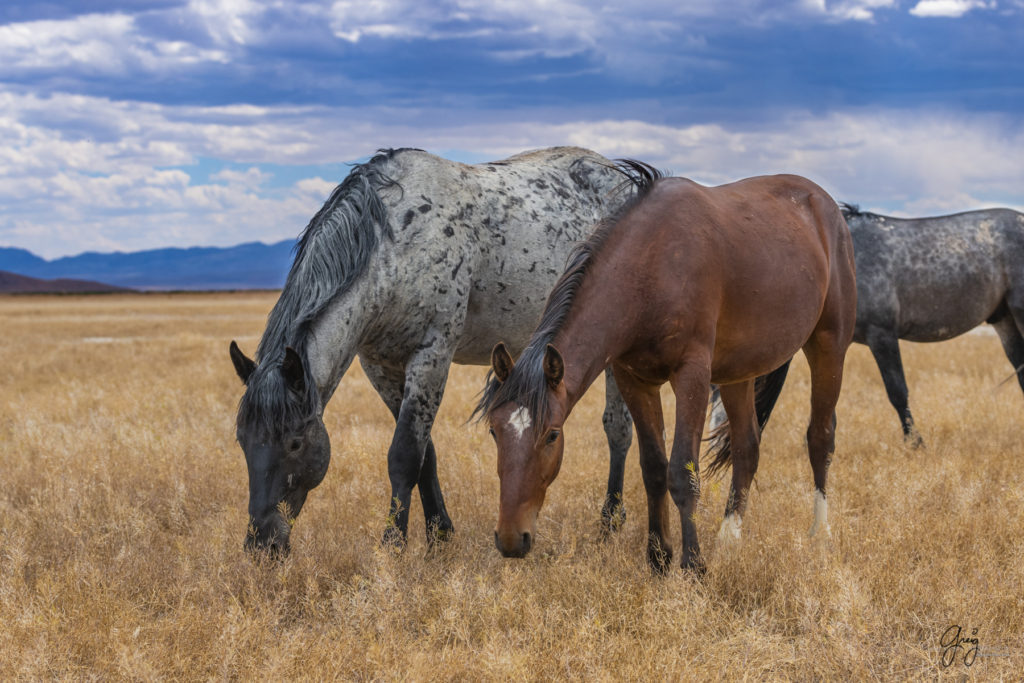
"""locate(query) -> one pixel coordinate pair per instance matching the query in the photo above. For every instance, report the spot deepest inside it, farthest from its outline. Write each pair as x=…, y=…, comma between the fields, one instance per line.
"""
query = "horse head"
x=287, y=450
x=528, y=435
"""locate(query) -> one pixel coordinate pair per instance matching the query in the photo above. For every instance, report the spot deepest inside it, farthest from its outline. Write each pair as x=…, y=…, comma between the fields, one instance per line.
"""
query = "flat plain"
x=123, y=506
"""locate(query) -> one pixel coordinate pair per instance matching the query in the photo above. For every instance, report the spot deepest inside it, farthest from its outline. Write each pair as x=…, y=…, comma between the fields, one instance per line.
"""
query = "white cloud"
x=66, y=190
x=856, y=10
x=568, y=26
x=948, y=8
x=250, y=177
x=227, y=21
x=97, y=43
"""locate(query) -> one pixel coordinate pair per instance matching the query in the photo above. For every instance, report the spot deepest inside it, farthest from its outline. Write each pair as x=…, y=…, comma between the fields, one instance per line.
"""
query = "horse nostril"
x=527, y=542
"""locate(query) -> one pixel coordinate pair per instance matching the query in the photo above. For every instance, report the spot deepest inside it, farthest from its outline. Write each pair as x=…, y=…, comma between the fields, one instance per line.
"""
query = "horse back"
x=482, y=244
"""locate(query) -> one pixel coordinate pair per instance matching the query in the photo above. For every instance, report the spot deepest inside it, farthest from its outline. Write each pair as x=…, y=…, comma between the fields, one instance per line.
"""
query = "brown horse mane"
x=526, y=385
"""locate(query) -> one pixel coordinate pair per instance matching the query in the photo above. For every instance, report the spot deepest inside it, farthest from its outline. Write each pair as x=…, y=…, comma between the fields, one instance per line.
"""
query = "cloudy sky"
x=133, y=124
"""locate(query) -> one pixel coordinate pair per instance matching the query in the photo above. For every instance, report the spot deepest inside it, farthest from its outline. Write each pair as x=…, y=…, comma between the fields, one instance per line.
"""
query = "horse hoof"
x=914, y=441
x=820, y=532
x=613, y=518
x=659, y=557
x=439, y=532
x=694, y=565
x=393, y=539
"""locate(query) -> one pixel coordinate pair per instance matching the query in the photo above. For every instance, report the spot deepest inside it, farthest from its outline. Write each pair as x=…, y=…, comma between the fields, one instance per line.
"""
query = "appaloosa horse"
x=414, y=262
x=687, y=285
x=932, y=279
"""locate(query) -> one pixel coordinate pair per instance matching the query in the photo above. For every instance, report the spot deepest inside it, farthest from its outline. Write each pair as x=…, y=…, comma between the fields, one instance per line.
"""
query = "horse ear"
x=501, y=362
x=292, y=370
x=243, y=365
x=554, y=368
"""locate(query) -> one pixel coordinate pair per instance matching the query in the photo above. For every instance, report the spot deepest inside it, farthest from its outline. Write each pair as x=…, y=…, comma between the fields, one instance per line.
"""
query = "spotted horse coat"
x=932, y=279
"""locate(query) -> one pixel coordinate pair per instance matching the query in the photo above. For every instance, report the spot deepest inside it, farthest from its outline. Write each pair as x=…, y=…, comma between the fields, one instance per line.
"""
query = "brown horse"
x=687, y=285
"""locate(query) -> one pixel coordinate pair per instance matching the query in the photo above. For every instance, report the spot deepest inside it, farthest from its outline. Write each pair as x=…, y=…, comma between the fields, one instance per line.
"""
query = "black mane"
x=526, y=385
x=852, y=210
x=331, y=253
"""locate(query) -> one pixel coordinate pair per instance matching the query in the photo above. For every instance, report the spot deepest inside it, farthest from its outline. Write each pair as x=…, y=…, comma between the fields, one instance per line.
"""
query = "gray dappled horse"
x=414, y=262
x=929, y=280
x=932, y=279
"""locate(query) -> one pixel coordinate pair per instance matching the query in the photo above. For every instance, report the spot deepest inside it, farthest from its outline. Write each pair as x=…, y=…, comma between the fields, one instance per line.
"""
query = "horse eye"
x=294, y=445
x=552, y=436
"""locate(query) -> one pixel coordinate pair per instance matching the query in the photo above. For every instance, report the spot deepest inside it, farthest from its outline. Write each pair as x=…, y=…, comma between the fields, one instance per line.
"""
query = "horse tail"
x=766, y=392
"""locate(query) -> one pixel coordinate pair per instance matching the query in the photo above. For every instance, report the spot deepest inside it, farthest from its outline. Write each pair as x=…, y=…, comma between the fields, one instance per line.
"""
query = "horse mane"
x=526, y=384
x=852, y=210
x=331, y=253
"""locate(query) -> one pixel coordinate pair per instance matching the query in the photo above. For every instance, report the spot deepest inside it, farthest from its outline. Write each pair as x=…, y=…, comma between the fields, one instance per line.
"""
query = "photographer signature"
x=953, y=642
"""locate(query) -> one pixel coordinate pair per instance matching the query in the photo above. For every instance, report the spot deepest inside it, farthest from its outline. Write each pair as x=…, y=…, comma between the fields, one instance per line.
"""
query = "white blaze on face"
x=820, y=514
x=730, y=530
x=520, y=421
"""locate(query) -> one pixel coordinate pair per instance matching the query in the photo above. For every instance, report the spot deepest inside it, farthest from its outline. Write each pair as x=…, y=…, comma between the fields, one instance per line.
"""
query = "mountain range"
x=252, y=265
x=23, y=284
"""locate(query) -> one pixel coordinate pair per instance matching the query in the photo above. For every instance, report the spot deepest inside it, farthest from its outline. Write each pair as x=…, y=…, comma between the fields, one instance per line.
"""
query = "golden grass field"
x=123, y=506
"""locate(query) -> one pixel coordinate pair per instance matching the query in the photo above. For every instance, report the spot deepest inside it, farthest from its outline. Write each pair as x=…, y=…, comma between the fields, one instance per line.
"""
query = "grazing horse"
x=687, y=285
x=414, y=262
x=932, y=279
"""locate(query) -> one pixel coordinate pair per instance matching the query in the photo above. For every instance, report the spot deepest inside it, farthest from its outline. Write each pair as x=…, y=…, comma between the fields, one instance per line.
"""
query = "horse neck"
x=334, y=337
x=592, y=337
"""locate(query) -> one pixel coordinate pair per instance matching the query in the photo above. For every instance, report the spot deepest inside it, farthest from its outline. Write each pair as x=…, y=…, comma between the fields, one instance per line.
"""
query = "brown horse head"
x=528, y=434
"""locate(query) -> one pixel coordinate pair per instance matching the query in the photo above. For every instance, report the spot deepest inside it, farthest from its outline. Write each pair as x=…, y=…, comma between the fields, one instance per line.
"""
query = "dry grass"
x=123, y=497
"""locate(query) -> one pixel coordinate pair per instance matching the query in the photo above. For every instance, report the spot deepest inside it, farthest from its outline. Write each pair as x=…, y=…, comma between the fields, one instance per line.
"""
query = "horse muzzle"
x=272, y=537
x=513, y=544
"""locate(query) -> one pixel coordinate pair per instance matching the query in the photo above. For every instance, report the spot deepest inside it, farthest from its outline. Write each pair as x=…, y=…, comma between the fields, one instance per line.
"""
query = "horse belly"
x=932, y=311
x=769, y=346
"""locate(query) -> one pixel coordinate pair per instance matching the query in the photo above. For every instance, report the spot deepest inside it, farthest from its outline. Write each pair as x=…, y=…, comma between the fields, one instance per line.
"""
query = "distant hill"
x=253, y=265
x=12, y=283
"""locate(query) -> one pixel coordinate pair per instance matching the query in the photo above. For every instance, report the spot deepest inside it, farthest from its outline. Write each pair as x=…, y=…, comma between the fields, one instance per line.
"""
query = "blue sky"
x=133, y=124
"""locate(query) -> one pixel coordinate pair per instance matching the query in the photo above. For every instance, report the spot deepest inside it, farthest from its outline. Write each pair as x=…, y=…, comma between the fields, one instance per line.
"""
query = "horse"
x=688, y=285
x=932, y=279
x=412, y=263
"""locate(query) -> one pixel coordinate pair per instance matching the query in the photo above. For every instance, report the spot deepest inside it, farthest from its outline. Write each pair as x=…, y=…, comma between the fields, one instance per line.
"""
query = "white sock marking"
x=730, y=529
x=820, y=514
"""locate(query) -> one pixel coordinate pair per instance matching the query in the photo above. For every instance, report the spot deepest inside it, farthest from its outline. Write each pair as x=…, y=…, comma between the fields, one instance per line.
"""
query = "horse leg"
x=745, y=436
x=390, y=385
x=825, y=355
x=690, y=385
x=886, y=349
x=425, y=376
x=644, y=402
x=1011, y=333
x=618, y=428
